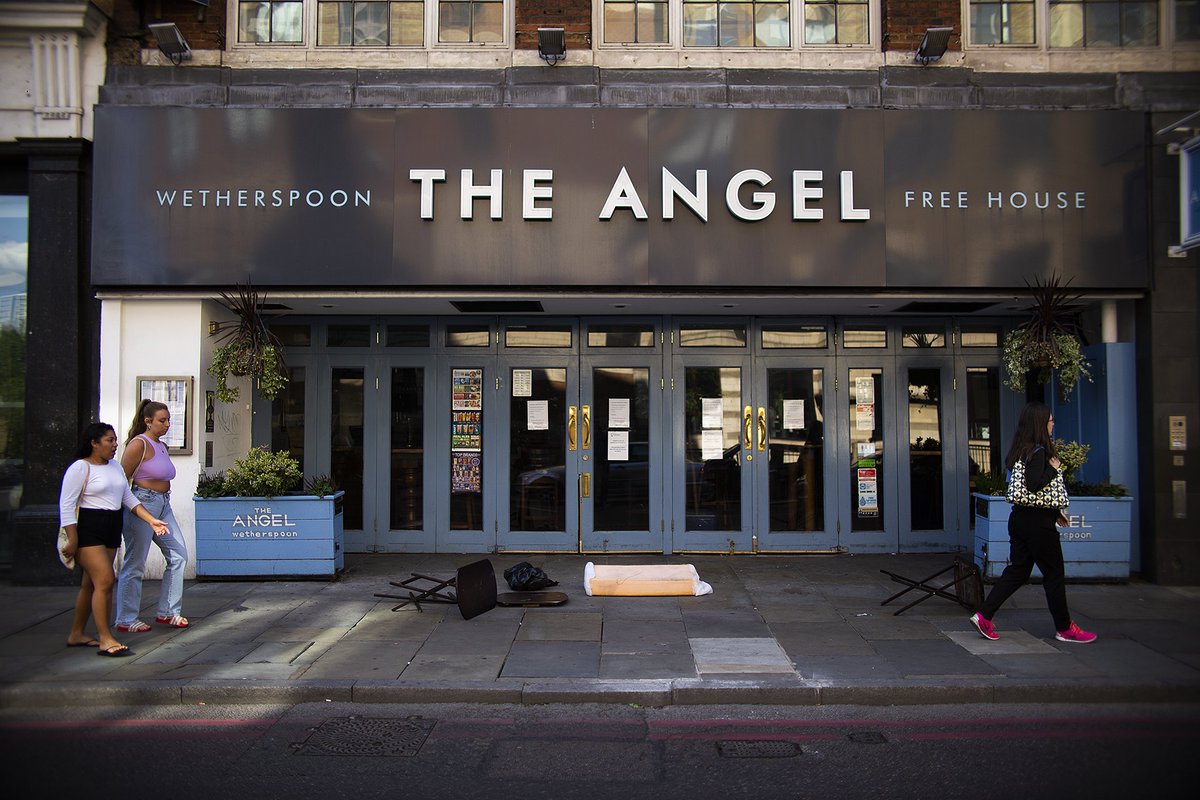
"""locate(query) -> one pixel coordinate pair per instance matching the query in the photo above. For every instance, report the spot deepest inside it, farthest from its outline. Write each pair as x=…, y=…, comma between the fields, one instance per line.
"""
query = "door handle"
x=585, y=484
x=571, y=428
x=762, y=429
x=748, y=431
x=587, y=427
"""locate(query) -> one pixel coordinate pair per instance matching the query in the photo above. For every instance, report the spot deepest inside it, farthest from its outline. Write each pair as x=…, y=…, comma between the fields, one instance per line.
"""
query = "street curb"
x=646, y=692
x=214, y=692
x=491, y=692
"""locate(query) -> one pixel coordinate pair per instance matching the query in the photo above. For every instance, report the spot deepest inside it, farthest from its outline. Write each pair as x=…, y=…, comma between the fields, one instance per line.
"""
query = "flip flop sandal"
x=88, y=643
x=175, y=621
x=116, y=651
x=137, y=626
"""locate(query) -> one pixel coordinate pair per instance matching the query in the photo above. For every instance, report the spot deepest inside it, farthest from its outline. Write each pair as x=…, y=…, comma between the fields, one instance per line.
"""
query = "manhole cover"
x=867, y=737
x=752, y=748
x=360, y=736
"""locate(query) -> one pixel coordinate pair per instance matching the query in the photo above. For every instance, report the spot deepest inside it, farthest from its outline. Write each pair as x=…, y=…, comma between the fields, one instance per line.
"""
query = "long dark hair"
x=145, y=410
x=1031, y=434
x=92, y=433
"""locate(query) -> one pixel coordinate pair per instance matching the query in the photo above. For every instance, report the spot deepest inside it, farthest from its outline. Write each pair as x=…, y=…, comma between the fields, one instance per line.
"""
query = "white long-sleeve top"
x=107, y=489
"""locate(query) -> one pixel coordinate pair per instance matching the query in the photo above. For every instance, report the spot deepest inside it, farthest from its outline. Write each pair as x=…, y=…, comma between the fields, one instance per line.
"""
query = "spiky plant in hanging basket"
x=1049, y=341
x=248, y=348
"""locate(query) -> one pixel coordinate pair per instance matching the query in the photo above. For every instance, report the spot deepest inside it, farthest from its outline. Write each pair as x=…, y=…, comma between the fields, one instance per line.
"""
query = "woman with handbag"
x=149, y=467
x=1039, y=497
x=94, y=489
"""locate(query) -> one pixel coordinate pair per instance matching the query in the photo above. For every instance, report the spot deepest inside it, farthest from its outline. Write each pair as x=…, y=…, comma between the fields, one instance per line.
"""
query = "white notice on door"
x=712, y=444
x=537, y=415
x=618, y=445
x=864, y=390
x=618, y=412
x=793, y=415
x=522, y=383
x=710, y=412
x=864, y=417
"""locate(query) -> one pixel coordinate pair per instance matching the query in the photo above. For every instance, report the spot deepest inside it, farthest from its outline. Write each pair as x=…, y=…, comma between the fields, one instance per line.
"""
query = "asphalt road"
x=444, y=752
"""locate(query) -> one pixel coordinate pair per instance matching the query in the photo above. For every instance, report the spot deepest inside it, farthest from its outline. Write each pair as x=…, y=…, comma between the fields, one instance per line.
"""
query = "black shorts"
x=100, y=527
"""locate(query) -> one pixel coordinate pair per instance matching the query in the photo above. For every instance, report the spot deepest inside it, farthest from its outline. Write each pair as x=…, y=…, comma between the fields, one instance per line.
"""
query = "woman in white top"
x=96, y=485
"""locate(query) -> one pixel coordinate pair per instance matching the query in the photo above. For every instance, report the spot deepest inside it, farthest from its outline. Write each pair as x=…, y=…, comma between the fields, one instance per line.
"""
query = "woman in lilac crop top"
x=147, y=461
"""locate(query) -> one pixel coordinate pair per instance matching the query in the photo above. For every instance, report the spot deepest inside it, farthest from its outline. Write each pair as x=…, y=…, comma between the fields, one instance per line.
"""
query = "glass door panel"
x=868, y=510
x=537, y=450
x=407, y=434
x=866, y=449
x=346, y=440
x=925, y=450
x=929, y=516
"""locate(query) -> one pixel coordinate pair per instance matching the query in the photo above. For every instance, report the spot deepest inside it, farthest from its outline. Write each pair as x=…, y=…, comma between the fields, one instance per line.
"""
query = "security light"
x=933, y=45
x=552, y=45
x=170, y=41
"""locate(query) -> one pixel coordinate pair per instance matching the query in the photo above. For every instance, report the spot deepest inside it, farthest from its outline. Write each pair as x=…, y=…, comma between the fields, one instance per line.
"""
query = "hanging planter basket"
x=1048, y=343
x=248, y=349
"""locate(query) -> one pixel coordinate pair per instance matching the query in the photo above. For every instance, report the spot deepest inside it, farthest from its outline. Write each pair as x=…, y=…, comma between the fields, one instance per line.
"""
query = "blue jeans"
x=138, y=536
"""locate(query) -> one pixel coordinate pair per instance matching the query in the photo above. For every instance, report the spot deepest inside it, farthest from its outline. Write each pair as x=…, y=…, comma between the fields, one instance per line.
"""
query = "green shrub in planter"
x=262, y=473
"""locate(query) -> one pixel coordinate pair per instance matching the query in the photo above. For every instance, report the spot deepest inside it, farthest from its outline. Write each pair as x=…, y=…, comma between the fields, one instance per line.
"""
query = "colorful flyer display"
x=793, y=415
x=467, y=389
x=466, y=472
x=618, y=412
x=522, y=380
x=618, y=445
x=466, y=432
x=537, y=415
x=868, y=493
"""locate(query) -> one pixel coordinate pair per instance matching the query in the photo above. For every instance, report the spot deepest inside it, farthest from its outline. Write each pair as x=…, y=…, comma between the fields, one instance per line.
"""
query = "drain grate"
x=361, y=736
x=757, y=748
x=867, y=737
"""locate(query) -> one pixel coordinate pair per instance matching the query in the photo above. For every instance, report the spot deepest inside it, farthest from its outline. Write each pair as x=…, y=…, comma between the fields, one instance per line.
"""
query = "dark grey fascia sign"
x=1189, y=194
x=617, y=198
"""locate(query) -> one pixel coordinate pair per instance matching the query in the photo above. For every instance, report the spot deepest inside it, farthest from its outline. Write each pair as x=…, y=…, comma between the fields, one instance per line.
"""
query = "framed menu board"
x=174, y=391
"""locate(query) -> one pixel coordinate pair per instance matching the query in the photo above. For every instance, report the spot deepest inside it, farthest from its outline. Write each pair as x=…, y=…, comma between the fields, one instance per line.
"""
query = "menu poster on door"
x=793, y=415
x=710, y=412
x=537, y=415
x=467, y=430
x=618, y=412
x=864, y=417
x=465, y=472
x=618, y=445
x=864, y=390
x=712, y=445
x=466, y=386
x=868, y=493
x=522, y=383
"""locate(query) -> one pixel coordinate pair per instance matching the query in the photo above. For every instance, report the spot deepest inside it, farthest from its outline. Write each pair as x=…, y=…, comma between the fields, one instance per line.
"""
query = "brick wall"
x=573, y=16
x=905, y=22
x=127, y=33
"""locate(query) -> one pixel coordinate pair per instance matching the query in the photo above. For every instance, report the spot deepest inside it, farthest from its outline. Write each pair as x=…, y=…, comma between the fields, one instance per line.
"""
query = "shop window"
x=1003, y=22
x=745, y=23
x=727, y=336
x=620, y=335
x=14, y=243
x=468, y=335
x=1103, y=23
x=1187, y=20
x=836, y=22
x=471, y=22
x=800, y=337
x=923, y=338
x=349, y=336
x=371, y=23
x=864, y=338
x=271, y=22
x=536, y=336
x=980, y=337
x=638, y=22
x=293, y=335
x=408, y=336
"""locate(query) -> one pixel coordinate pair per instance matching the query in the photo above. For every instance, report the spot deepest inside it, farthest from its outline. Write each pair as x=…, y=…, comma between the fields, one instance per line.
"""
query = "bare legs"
x=95, y=595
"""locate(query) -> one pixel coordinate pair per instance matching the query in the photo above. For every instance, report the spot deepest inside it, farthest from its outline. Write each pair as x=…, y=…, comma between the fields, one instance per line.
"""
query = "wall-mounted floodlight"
x=170, y=41
x=933, y=45
x=552, y=45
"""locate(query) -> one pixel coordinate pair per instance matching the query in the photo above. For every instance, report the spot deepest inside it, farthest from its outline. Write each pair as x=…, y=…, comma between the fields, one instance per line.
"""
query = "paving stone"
x=637, y=666
x=364, y=660
x=821, y=639
x=545, y=625
x=888, y=626
x=1040, y=665
x=643, y=636
x=740, y=656
x=724, y=624
x=453, y=666
x=552, y=660
x=275, y=653
x=827, y=668
x=921, y=657
x=1009, y=643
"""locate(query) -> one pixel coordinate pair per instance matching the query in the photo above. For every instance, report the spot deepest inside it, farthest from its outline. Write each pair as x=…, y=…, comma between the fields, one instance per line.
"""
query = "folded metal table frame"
x=967, y=585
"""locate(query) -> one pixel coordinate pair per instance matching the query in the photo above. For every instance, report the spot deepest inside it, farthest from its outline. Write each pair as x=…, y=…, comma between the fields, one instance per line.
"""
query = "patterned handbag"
x=1052, y=495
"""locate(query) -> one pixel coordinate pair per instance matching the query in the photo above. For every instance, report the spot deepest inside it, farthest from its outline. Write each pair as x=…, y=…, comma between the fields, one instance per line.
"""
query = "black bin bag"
x=525, y=577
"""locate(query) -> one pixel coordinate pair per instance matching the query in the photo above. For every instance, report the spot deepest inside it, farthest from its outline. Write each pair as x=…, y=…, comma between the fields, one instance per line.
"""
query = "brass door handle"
x=585, y=484
x=571, y=421
x=762, y=429
x=748, y=429
x=587, y=427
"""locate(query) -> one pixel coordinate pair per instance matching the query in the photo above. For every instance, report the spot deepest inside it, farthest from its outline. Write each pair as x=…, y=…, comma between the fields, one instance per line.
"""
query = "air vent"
x=498, y=306
x=944, y=307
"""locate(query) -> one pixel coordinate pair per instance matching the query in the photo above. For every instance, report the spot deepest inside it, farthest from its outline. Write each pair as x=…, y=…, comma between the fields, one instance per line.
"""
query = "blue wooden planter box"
x=1095, y=546
x=274, y=537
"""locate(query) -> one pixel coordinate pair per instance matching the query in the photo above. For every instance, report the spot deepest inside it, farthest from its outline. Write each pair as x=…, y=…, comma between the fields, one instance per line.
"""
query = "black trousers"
x=1034, y=540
